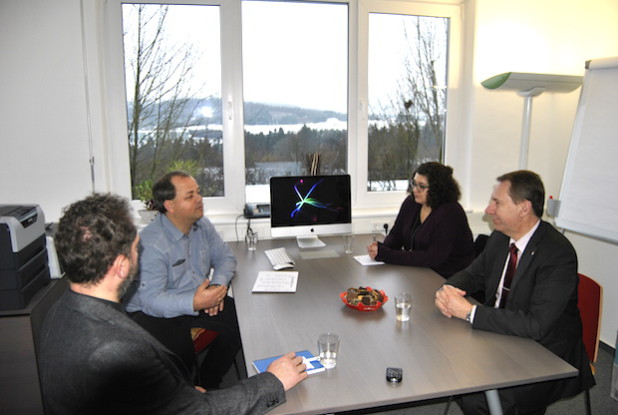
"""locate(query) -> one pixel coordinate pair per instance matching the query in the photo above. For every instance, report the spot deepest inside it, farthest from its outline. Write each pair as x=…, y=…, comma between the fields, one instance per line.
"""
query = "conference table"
x=440, y=357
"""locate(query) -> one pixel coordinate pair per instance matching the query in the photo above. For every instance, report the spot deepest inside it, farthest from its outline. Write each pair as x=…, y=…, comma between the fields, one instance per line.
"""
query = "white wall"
x=44, y=148
x=550, y=36
x=44, y=135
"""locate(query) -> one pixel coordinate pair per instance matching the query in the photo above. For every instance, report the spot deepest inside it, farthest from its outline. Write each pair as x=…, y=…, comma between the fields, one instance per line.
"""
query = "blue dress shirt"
x=173, y=265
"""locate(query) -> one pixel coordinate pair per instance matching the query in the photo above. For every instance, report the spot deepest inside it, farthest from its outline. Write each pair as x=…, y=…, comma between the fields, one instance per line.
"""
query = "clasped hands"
x=451, y=302
x=209, y=298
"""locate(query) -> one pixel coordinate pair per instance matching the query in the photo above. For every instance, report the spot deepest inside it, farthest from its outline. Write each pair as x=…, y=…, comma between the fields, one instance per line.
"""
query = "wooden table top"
x=439, y=356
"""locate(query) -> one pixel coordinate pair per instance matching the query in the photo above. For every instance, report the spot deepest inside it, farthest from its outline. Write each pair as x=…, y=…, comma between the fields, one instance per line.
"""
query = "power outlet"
x=379, y=228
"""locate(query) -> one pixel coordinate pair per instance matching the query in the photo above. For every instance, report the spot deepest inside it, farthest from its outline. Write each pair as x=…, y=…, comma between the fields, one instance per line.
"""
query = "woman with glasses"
x=431, y=229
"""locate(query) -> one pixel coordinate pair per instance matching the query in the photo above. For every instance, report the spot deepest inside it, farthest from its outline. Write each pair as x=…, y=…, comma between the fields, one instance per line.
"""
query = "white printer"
x=23, y=255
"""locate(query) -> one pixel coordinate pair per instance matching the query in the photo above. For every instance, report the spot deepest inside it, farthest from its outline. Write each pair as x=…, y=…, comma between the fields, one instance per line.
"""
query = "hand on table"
x=372, y=250
x=289, y=369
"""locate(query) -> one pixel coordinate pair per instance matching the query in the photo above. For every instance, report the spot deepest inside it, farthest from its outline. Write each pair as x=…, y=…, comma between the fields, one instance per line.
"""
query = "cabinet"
x=20, y=390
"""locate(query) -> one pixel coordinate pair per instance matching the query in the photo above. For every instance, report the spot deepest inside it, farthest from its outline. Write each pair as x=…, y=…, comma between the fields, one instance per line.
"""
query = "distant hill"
x=209, y=110
x=267, y=114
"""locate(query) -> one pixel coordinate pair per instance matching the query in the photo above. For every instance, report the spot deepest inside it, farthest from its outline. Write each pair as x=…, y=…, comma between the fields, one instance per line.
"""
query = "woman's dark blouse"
x=443, y=242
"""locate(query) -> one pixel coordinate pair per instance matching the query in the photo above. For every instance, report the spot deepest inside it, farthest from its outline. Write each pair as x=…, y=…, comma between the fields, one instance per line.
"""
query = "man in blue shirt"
x=185, y=270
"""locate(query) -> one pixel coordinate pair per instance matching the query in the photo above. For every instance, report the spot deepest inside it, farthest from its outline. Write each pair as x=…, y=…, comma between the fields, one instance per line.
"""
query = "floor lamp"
x=530, y=85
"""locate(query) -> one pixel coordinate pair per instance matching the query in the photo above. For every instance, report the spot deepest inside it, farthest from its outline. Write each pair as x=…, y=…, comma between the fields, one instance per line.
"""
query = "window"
x=173, y=84
x=295, y=60
x=407, y=96
x=236, y=102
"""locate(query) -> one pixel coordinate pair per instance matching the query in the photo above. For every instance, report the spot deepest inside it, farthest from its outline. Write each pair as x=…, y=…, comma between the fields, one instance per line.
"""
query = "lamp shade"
x=520, y=81
x=530, y=85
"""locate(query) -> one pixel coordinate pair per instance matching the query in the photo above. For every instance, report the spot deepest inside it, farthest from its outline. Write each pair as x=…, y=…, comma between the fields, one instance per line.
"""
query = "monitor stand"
x=310, y=241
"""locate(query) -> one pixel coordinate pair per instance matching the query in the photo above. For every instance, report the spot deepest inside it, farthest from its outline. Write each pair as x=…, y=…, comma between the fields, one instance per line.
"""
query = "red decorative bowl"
x=362, y=307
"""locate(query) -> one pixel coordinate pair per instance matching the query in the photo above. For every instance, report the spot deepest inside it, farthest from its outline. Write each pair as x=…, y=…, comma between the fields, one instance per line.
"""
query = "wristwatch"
x=469, y=315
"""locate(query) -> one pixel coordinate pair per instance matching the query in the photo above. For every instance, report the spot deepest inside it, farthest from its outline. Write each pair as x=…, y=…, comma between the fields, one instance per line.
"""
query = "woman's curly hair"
x=443, y=188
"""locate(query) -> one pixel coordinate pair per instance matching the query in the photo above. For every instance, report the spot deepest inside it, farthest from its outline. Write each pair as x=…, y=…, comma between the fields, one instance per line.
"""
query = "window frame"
x=378, y=199
x=231, y=98
x=114, y=149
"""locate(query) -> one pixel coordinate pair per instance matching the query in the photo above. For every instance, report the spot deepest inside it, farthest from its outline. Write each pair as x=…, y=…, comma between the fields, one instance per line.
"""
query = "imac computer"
x=308, y=206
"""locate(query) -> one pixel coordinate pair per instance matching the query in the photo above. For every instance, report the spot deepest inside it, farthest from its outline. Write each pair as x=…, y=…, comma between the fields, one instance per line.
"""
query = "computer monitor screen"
x=308, y=206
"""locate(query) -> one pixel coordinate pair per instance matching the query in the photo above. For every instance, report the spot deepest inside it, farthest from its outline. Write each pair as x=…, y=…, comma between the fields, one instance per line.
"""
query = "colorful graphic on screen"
x=310, y=200
x=307, y=199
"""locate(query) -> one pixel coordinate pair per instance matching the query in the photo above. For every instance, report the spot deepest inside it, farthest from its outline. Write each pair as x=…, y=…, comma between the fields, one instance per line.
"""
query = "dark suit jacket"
x=443, y=242
x=542, y=305
x=96, y=360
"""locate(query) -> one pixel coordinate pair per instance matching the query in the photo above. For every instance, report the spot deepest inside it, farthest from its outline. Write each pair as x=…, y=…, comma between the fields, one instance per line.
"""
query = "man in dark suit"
x=94, y=359
x=539, y=302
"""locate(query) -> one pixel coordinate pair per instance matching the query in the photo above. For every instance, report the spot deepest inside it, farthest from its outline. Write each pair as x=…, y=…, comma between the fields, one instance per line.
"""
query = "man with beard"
x=94, y=359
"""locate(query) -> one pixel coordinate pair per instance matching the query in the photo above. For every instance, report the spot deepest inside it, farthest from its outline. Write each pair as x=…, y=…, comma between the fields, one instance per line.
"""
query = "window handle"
x=362, y=109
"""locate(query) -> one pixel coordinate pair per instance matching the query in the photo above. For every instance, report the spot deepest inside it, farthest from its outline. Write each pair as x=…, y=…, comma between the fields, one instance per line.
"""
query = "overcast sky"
x=295, y=53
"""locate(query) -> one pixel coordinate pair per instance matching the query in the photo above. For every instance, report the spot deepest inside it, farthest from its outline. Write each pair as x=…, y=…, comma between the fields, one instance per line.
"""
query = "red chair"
x=590, y=299
x=202, y=338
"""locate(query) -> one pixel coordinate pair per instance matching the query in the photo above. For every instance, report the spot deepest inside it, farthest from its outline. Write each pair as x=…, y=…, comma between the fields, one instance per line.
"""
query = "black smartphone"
x=394, y=374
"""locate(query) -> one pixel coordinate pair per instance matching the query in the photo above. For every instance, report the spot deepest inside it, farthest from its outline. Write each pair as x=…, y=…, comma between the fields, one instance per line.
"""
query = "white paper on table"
x=275, y=281
x=366, y=260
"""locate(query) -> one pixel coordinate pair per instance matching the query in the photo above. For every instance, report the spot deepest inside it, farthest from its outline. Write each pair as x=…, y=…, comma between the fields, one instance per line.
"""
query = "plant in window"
x=143, y=192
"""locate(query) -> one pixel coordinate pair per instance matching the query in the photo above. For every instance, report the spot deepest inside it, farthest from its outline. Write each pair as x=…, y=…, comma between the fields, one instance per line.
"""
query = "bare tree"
x=426, y=93
x=412, y=121
x=161, y=100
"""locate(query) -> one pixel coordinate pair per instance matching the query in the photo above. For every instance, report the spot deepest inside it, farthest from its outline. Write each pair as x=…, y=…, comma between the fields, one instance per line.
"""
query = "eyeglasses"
x=413, y=184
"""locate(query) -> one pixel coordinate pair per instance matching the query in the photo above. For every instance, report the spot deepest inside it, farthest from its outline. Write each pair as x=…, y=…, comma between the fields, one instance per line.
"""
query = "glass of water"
x=403, y=304
x=328, y=346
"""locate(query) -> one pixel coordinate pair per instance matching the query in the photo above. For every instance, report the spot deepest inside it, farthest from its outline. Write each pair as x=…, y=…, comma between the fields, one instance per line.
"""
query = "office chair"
x=479, y=246
x=479, y=243
x=589, y=303
x=201, y=340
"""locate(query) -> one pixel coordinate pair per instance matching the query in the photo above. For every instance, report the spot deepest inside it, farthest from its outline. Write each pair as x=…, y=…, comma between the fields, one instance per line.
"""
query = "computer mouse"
x=279, y=267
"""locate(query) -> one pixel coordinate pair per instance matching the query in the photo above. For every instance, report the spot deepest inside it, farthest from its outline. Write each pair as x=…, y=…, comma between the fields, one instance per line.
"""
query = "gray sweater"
x=95, y=360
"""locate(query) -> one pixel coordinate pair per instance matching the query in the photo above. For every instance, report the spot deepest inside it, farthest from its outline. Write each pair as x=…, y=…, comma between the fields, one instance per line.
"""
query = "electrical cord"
x=236, y=226
x=249, y=231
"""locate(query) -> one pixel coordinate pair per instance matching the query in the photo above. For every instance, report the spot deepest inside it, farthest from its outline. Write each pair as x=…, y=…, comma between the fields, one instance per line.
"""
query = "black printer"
x=23, y=255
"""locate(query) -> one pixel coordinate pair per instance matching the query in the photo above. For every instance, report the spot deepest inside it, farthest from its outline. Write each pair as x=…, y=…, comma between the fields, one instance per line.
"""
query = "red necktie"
x=509, y=274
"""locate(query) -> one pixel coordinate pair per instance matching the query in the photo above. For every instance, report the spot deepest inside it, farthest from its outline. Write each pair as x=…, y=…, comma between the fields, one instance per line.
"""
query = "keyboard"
x=278, y=257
